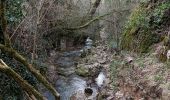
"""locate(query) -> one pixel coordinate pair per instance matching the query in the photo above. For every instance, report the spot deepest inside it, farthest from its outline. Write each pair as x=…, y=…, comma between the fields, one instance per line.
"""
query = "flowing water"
x=68, y=82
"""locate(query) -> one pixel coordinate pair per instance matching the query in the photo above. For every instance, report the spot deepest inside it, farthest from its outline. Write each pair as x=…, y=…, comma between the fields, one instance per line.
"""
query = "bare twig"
x=17, y=28
x=95, y=19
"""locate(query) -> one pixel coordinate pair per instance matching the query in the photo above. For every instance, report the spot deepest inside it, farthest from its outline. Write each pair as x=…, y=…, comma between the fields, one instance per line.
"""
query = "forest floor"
x=143, y=78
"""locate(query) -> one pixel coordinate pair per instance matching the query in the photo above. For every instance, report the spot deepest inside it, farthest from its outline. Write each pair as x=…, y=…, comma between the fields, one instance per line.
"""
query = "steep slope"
x=147, y=25
x=144, y=78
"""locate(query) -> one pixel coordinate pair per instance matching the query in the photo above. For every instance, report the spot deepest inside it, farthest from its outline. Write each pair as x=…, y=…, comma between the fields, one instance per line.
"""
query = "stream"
x=69, y=83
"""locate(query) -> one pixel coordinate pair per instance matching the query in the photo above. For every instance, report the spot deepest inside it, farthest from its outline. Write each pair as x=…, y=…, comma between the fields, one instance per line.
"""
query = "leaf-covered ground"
x=144, y=78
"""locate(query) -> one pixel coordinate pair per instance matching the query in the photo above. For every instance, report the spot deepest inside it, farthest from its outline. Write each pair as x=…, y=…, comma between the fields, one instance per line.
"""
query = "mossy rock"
x=82, y=71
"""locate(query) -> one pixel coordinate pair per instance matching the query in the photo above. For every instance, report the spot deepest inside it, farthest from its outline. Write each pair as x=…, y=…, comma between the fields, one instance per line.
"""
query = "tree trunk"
x=94, y=7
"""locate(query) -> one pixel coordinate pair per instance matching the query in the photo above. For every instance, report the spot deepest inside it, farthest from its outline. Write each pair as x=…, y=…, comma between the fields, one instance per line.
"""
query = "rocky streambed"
x=64, y=77
x=69, y=82
x=73, y=75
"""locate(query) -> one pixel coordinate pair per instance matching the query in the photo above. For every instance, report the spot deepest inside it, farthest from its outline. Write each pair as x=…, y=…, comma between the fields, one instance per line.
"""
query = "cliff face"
x=147, y=25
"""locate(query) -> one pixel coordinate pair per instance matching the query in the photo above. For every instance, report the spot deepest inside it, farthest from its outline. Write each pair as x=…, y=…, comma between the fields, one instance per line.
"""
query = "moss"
x=146, y=41
x=131, y=28
x=82, y=71
x=139, y=33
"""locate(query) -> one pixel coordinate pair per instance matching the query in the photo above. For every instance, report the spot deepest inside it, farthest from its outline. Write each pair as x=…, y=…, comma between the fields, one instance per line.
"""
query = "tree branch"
x=39, y=77
x=88, y=23
x=96, y=19
x=24, y=84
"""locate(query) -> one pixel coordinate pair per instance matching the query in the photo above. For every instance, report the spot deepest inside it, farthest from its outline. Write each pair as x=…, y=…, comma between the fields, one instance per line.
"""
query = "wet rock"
x=82, y=70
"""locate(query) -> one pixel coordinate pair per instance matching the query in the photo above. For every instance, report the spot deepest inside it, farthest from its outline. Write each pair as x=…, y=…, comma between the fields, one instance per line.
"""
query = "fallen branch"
x=24, y=84
x=36, y=73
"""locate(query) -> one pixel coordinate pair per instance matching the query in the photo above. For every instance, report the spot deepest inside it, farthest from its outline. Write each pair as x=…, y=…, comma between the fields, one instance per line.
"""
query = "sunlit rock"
x=168, y=55
x=100, y=79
